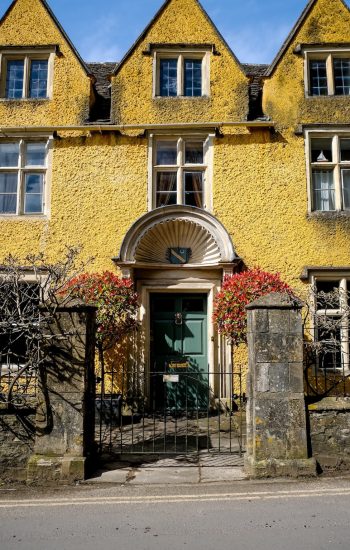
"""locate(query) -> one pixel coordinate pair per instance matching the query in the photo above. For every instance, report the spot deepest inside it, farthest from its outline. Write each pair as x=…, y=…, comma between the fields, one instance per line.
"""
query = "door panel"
x=192, y=337
x=179, y=349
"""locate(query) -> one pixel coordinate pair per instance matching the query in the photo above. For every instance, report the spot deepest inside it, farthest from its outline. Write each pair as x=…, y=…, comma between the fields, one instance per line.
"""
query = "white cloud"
x=102, y=44
x=257, y=45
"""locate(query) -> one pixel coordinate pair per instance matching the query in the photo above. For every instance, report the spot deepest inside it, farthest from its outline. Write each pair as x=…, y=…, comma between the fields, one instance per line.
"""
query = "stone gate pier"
x=276, y=413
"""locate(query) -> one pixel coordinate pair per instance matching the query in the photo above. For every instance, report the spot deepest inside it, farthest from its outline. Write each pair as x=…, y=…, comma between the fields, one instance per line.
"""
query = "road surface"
x=312, y=515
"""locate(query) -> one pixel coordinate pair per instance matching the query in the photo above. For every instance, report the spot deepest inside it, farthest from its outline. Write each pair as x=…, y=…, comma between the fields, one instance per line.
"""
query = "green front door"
x=179, y=352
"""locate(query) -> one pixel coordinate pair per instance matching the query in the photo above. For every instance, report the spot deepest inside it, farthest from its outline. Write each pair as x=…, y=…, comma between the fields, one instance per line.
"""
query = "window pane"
x=8, y=182
x=346, y=188
x=166, y=188
x=168, y=77
x=329, y=335
x=318, y=77
x=328, y=294
x=193, y=77
x=321, y=150
x=8, y=193
x=35, y=154
x=323, y=190
x=33, y=200
x=9, y=154
x=194, y=152
x=14, y=79
x=167, y=153
x=342, y=76
x=38, y=78
x=345, y=150
x=194, y=189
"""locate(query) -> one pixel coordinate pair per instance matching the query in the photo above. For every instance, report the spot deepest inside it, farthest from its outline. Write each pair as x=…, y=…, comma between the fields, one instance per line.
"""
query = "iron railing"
x=170, y=412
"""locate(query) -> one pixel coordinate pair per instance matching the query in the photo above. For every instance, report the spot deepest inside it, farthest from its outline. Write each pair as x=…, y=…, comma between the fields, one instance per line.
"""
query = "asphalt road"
x=244, y=515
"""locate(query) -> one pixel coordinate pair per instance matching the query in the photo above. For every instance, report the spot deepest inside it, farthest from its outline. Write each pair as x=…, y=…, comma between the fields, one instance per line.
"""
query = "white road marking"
x=94, y=501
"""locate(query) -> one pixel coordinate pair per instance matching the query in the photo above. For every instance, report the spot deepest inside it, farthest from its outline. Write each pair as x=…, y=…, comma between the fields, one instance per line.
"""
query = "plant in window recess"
x=30, y=294
x=327, y=332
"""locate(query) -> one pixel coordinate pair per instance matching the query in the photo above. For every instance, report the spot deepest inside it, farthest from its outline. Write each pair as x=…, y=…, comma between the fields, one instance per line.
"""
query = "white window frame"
x=27, y=56
x=21, y=169
x=328, y=55
x=336, y=166
x=181, y=56
x=343, y=280
x=206, y=168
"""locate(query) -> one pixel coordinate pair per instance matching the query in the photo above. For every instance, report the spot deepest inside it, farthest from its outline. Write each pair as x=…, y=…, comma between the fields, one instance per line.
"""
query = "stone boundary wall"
x=52, y=442
x=17, y=439
x=329, y=421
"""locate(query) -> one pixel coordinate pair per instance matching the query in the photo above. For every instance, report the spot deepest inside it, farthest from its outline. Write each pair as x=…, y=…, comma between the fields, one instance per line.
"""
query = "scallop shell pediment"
x=154, y=244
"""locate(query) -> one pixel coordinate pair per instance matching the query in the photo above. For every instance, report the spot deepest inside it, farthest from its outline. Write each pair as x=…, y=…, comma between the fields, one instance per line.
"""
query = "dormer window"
x=327, y=73
x=26, y=75
x=184, y=74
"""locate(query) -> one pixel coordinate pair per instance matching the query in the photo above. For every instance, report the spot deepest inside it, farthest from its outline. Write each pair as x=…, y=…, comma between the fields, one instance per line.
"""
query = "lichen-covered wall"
x=260, y=195
x=330, y=432
x=29, y=24
x=17, y=434
x=99, y=187
x=284, y=92
x=181, y=22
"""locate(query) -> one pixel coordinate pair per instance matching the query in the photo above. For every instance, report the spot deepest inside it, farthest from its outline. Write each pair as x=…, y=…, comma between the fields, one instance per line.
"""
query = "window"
x=328, y=73
x=26, y=76
x=329, y=157
x=182, y=75
x=180, y=171
x=23, y=166
x=332, y=305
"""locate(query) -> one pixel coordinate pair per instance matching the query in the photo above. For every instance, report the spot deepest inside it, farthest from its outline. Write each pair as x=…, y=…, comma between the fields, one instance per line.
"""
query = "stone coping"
x=331, y=404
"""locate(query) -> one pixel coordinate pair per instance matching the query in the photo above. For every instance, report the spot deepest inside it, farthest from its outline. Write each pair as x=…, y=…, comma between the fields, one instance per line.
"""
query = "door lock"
x=178, y=318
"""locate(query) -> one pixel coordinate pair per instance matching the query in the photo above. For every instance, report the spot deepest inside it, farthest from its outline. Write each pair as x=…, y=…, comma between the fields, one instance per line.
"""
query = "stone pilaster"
x=276, y=414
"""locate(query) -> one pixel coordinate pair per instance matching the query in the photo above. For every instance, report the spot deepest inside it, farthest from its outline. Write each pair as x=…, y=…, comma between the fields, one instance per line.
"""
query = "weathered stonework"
x=65, y=415
x=17, y=435
x=276, y=416
x=54, y=442
x=330, y=433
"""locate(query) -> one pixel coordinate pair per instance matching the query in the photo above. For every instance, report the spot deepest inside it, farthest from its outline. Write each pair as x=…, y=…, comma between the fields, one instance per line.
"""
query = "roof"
x=58, y=25
x=293, y=34
x=156, y=17
x=101, y=111
x=256, y=74
x=102, y=72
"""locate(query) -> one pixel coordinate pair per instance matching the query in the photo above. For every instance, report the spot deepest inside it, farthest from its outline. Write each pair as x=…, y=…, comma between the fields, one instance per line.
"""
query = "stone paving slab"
x=208, y=474
x=111, y=476
x=165, y=476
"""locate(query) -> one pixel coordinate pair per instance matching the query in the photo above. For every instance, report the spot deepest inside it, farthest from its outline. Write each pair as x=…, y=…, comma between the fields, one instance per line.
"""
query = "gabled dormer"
x=309, y=80
x=43, y=80
x=179, y=70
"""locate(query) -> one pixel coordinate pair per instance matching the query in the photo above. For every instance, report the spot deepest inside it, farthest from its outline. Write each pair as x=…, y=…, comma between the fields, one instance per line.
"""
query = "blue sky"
x=104, y=30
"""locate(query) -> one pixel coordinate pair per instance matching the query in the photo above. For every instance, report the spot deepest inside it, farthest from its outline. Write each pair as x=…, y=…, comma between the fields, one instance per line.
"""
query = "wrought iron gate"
x=171, y=412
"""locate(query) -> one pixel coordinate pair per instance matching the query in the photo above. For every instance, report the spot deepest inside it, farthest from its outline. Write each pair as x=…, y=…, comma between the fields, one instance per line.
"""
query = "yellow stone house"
x=179, y=164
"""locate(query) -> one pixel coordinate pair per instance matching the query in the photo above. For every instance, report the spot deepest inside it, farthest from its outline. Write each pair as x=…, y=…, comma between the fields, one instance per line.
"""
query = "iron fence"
x=171, y=412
